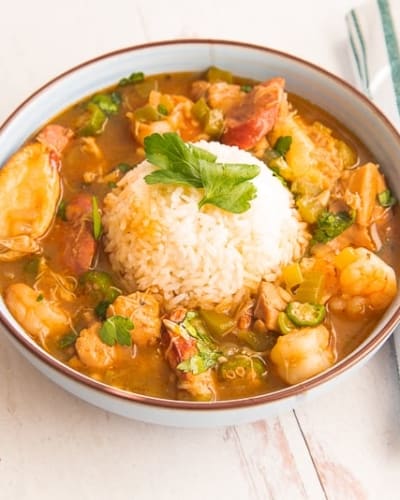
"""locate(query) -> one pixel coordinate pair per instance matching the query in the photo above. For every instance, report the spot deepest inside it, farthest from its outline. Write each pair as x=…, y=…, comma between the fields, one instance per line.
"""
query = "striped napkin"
x=374, y=36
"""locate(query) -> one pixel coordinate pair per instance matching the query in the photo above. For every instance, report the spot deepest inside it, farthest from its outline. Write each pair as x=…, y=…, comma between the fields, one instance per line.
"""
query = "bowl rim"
x=370, y=345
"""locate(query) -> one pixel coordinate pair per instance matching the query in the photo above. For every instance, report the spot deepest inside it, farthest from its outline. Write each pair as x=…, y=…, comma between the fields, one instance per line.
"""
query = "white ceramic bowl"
x=332, y=94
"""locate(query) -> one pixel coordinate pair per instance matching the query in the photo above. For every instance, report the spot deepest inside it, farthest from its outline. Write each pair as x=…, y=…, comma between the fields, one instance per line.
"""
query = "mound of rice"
x=157, y=237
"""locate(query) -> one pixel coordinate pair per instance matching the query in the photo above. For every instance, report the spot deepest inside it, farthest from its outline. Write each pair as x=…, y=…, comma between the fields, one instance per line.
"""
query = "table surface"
x=344, y=444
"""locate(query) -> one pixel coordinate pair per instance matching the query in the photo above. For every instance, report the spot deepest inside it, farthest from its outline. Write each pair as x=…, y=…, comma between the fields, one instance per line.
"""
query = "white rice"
x=157, y=237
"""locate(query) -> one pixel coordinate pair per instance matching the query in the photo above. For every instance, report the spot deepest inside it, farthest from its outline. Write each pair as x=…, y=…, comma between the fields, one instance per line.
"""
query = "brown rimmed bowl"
x=307, y=80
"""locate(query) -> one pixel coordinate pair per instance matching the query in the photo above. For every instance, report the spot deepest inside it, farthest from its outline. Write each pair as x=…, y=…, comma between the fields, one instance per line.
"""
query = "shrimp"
x=303, y=353
x=37, y=315
x=92, y=351
x=143, y=309
x=30, y=190
x=365, y=277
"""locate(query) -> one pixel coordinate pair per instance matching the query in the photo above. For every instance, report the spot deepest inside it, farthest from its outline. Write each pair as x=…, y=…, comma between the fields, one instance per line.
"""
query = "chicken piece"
x=182, y=348
x=143, y=309
x=271, y=300
x=247, y=123
x=30, y=190
x=303, y=353
x=37, y=315
x=92, y=351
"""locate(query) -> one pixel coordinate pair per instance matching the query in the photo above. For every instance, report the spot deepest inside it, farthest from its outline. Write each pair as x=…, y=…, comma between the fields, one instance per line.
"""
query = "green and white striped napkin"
x=374, y=35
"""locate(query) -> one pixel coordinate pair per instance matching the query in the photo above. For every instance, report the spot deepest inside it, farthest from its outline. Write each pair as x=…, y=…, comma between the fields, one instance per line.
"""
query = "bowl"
x=307, y=80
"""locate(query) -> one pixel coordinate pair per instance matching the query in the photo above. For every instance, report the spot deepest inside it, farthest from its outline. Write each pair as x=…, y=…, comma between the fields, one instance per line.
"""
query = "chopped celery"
x=108, y=103
x=200, y=111
x=212, y=120
x=215, y=74
x=147, y=113
x=311, y=289
x=95, y=120
x=309, y=208
x=259, y=341
x=215, y=123
x=218, y=324
x=292, y=275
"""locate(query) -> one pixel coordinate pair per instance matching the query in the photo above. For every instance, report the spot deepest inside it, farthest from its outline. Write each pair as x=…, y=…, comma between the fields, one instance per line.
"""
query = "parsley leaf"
x=207, y=355
x=67, y=340
x=282, y=145
x=226, y=186
x=116, y=329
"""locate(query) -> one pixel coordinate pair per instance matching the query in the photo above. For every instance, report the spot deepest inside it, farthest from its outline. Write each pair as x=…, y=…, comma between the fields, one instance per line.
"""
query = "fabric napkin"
x=374, y=36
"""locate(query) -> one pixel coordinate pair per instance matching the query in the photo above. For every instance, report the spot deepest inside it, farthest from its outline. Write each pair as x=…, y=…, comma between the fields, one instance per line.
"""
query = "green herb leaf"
x=40, y=297
x=330, y=225
x=162, y=110
x=124, y=167
x=283, y=144
x=32, y=266
x=199, y=362
x=97, y=226
x=207, y=355
x=67, y=340
x=133, y=78
x=116, y=329
x=108, y=103
x=386, y=199
x=101, y=309
x=225, y=185
x=246, y=88
x=61, y=210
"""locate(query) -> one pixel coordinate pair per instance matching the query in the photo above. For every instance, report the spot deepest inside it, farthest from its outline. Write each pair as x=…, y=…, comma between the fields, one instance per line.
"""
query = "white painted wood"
x=353, y=432
x=53, y=445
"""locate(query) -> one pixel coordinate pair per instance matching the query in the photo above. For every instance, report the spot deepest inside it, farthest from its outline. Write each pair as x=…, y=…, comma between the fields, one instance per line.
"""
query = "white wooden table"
x=344, y=444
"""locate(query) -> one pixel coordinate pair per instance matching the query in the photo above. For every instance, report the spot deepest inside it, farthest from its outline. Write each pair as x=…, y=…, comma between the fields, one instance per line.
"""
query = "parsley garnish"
x=386, y=199
x=116, y=329
x=330, y=225
x=207, y=356
x=67, y=340
x=133, y=78
x=225, y=185
x=61, y=210
x=282, y=145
